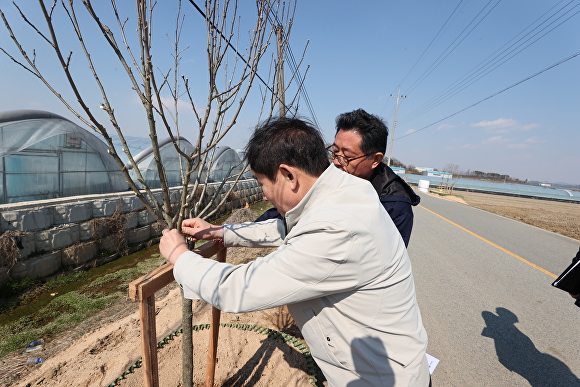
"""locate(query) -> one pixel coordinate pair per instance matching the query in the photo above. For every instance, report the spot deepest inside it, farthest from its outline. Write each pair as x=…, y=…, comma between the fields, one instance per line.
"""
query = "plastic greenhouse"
x=143, y=156
x=226, y=162
x=44, y=156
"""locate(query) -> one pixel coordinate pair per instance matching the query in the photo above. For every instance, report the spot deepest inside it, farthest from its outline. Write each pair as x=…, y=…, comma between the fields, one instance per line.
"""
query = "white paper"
x=432, y=362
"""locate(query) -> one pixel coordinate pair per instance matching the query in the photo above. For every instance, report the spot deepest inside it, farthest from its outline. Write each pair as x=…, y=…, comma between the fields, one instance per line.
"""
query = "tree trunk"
x=187, y=342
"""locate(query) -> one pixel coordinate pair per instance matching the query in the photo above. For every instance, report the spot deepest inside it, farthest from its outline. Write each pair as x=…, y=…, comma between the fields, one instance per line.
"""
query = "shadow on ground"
x=516, y=352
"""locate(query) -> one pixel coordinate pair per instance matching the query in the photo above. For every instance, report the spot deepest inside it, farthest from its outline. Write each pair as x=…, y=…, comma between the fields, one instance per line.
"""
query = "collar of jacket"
x=388, y=183
x=331, y=178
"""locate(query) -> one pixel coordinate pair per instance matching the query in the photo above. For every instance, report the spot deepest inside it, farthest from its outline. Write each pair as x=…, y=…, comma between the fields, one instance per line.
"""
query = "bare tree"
x=231, y=74
x=214, y=98
x=450, y=178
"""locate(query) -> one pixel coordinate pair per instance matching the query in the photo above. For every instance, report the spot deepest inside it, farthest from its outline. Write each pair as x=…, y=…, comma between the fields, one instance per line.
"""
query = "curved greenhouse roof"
x=44, y=155
x=142, y=152
x=226, y=163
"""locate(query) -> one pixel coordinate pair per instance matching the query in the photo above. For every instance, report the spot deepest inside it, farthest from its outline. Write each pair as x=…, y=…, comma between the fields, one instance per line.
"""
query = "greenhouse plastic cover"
x=223, y=159
x=44, y=155
x=226, y=162
x=170, y=159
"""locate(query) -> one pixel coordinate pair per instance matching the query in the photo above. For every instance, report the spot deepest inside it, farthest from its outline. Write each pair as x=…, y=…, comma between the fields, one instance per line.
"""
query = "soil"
x=97, y=351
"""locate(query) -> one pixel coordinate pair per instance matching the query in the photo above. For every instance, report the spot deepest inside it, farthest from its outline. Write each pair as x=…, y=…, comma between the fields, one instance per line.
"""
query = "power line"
x=302, y=88
x=426, y=49
x=450, y=48
x=291, y=56
x=432, y=41
x=495, y=94
x=230, y=45
x=472, y=81
x=488, y=65
x=294, y=68
x=440, y=60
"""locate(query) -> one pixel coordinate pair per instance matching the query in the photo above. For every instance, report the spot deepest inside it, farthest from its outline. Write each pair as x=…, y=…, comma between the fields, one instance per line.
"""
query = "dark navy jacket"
x=396, y=196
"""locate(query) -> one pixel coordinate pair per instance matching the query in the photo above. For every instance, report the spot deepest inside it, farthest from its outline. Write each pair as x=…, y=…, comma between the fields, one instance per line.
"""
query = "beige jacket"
x=345, y=275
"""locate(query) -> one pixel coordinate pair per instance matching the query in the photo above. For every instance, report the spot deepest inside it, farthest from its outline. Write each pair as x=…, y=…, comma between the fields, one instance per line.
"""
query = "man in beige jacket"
x=341, y=266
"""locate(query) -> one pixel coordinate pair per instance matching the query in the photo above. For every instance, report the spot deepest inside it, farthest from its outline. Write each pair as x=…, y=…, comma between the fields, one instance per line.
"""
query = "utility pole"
x=280, y=70
x=399, y=96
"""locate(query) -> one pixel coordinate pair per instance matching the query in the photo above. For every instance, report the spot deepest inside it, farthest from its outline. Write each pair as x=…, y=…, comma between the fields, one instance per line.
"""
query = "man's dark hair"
x=290, y=141
x=373, y=130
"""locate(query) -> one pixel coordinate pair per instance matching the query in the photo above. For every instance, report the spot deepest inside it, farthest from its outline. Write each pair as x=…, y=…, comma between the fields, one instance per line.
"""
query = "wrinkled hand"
x=196, y=229
x=172, y=245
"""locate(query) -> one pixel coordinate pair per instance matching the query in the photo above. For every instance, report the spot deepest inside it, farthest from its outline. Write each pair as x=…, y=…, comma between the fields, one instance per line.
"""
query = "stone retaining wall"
x=73, y=231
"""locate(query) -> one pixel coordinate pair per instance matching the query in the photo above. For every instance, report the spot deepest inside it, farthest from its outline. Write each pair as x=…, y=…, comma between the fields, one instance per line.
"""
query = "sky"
x=490, y=86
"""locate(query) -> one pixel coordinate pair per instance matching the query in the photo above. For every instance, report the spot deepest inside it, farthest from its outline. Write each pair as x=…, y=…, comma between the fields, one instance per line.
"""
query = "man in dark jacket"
x=359, y=147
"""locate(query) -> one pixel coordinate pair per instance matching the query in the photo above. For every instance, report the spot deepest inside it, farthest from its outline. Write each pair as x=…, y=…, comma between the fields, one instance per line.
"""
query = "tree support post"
x=213, y=335
x=143, y=290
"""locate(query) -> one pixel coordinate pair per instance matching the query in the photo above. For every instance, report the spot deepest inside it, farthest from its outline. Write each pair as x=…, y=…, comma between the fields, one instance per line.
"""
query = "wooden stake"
x=149, y=342
x=143, y=290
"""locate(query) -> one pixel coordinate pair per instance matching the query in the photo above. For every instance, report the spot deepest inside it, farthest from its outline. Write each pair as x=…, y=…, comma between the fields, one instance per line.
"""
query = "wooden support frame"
x=143, y=290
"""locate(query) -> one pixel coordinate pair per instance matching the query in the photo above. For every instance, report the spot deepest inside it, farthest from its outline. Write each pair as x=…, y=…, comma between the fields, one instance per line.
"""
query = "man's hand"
x=172, y=245
x=197, y=229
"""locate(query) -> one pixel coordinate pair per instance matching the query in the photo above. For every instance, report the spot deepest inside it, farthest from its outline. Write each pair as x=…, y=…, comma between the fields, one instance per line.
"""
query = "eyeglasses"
x=343, y=160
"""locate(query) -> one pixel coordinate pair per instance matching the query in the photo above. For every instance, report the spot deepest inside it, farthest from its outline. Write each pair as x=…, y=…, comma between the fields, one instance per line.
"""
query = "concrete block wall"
x=66, y=232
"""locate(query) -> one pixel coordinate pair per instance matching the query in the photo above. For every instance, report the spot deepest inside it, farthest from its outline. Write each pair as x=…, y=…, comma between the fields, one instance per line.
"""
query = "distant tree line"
x=454, y=169
x=479, y=175
x=491, y=176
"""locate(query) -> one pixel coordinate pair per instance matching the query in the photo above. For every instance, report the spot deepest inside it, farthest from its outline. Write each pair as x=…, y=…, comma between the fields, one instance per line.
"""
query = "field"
x=559, y=217
x=98, y=350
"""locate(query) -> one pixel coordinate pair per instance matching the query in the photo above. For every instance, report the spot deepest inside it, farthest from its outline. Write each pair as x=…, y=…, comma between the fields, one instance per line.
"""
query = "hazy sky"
x=454, y=61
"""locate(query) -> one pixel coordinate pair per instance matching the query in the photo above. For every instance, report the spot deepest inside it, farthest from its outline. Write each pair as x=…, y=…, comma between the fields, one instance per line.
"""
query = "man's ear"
x=289, y=174
x=377, y=158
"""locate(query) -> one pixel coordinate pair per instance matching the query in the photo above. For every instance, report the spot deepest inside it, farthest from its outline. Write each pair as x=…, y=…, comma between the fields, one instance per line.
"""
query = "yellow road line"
x=493, y=244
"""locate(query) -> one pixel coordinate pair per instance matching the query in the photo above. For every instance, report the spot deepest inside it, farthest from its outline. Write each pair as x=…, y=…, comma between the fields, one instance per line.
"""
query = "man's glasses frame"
x=343, y=160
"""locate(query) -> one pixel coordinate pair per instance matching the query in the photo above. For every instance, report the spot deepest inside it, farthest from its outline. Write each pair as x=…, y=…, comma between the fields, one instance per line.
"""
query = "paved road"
x=492, y=319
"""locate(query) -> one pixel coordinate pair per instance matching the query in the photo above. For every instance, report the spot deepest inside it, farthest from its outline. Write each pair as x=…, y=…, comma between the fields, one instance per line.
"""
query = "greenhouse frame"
x=44, y=156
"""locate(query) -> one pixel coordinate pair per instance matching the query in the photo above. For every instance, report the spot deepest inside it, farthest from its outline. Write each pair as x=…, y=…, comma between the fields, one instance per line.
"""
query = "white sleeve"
x=269, y=233
x=311, y=265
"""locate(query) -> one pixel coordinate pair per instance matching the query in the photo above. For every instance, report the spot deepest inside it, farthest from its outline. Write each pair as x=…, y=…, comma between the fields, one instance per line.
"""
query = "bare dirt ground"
x=98, y=351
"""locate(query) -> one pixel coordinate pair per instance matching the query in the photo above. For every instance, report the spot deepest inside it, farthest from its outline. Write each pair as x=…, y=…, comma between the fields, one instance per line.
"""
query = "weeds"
x=15, y=290
x=16, y=287
x=112, y=226
x=72, y=307
x=124, y=276
x=66, y=279
x=10, y=245
x=69, y=308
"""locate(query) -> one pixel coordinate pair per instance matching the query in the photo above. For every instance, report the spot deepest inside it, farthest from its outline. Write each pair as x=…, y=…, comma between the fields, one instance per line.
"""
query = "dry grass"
x=9, y=251
x=114, y=227
x=559, y=217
